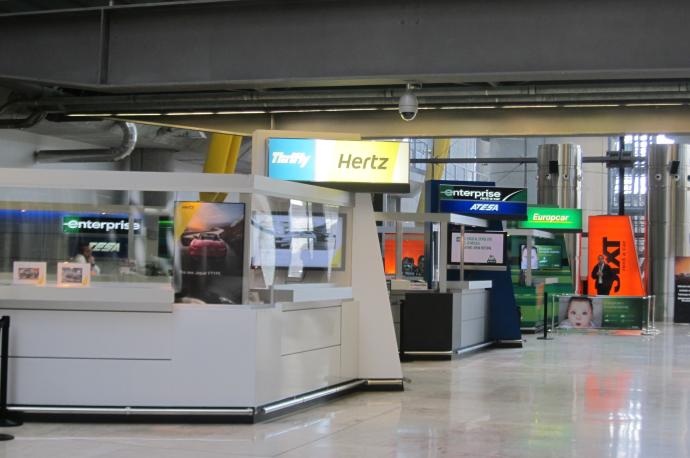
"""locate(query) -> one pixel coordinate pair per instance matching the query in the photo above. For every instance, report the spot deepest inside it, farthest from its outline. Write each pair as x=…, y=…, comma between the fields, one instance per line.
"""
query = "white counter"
x=136, y=297
x=211, y=356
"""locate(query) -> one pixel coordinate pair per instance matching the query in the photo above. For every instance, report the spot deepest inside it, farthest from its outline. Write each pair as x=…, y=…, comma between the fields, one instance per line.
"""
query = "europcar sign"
x=552, y=219
x=97, y=225
x=351, y=165
x=484, y=201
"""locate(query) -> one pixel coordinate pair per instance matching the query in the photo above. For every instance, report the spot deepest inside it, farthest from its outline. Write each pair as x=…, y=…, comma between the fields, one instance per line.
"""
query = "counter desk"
x=442, y=324
x=116, y=349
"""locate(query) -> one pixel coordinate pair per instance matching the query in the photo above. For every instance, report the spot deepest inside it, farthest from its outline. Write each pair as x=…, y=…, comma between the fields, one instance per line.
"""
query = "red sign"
x=613, y=266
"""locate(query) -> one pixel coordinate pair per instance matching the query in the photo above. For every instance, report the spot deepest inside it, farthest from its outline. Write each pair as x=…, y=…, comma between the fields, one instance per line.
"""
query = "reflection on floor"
x=576, y=396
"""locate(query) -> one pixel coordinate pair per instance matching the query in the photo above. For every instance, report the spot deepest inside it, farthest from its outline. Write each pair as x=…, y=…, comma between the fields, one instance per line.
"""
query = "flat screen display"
x=542, y=257
x=315, y=243
x=484, y=248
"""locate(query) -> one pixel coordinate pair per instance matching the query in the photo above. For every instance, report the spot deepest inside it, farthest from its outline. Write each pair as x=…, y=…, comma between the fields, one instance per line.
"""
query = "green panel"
x=552, y=218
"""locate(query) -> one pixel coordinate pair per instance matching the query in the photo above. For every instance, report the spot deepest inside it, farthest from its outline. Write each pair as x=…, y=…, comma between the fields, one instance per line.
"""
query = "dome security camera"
x=408, y=105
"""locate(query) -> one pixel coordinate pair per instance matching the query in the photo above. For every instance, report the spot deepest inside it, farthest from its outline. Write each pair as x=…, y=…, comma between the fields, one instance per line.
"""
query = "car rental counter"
x=234, y=296
x=440, y=324
x=452, y=317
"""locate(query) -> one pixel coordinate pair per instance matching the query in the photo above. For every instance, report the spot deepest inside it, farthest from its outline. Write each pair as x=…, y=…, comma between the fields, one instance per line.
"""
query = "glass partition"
x=297, y=241
x=217, y=251
x=124, y=236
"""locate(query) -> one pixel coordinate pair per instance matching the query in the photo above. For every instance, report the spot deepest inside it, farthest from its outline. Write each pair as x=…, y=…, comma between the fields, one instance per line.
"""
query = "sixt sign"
x=484, y=201
x=95, y=225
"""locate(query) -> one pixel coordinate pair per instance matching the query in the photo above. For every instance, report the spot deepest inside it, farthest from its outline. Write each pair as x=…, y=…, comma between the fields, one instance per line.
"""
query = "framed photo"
x=73, y=274
x=29, y=273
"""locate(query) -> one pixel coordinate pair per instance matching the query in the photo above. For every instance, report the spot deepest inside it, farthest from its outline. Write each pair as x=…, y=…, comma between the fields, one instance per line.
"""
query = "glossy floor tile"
x=576, y=396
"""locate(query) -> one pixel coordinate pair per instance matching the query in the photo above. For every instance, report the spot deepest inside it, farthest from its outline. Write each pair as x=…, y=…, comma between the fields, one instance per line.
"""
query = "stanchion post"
x=546, y=326
x=651, y=329
x=5, y=419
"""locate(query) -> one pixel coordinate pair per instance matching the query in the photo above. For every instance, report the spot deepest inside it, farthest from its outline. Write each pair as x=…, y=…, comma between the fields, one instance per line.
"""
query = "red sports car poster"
x=209, y=247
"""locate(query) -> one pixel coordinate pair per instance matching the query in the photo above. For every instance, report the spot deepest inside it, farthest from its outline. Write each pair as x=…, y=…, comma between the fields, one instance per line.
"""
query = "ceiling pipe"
x=508, y=160
x=118, y=153
x=267, y=100
x=23, y=123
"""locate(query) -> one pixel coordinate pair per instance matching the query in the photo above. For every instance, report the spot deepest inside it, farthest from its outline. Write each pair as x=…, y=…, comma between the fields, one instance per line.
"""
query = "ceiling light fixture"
x=656, y=104
x=241, y=112
x=592, y=105
x=352, y=109
x=189, y=113
x=469, y=107
x=529, y=106
x=306, y=110
x=137, y=114
x=88, y=115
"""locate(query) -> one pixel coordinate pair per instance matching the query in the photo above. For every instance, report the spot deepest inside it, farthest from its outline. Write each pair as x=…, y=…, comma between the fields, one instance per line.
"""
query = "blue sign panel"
x=485, y=209
x=292, y=159
x=483, y=201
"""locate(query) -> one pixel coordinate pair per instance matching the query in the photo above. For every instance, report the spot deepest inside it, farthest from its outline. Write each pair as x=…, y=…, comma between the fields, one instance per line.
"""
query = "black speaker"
x=553, y=167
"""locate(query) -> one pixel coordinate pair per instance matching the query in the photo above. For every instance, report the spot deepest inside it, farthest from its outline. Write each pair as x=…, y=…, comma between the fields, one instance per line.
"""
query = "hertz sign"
x=351, y=165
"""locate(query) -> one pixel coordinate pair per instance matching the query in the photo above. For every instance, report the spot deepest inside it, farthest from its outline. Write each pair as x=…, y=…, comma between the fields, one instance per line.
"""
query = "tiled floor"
x=577, y=396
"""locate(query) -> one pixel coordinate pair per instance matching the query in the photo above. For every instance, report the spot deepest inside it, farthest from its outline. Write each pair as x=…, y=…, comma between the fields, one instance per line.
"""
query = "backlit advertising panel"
x=209, y=252
x=613, y=263
x=552, y=219
x=480, y=248
x=483, y=201
x=372, y=166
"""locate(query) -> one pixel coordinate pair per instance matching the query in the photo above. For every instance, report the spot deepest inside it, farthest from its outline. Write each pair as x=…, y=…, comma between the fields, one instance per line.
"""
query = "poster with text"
x=591, y=312
x=682, y=290
x=209, y=249
x=480, y=247
x=613, y=263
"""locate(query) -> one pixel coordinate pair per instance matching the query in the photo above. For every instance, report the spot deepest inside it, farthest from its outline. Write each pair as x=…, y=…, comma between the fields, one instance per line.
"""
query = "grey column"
x=668, y=207
x=559, y=182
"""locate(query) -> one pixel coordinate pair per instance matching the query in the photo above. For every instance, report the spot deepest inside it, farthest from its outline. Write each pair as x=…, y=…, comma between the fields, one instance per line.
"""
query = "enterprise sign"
x=553, y=219
x=105, y=225
x=350, y=165
x=484, y=201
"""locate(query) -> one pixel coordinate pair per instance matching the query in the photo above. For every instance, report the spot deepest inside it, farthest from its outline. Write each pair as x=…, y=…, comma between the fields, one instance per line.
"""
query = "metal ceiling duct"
x=118, y=153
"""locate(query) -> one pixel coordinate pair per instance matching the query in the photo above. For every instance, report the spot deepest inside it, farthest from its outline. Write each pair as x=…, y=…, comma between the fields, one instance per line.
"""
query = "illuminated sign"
x=350, y=165
x=483, y=201
x=553, y=219
x=619, y=275
x=88, y=225
x=105, y=247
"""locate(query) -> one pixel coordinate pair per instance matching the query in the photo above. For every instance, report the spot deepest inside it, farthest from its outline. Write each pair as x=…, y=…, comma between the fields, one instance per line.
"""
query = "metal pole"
x=398, y=249
x=546, y=327
x=650, y=329
x=443, y=257
x=621, y=177
x=462, y=253
x=4, y=358
x=528, y=270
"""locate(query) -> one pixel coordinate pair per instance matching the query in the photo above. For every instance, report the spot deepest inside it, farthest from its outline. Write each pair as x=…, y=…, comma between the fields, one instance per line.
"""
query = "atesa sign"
x=553, y=219
x=366, y=166
x=484, y=201
x=97, y=225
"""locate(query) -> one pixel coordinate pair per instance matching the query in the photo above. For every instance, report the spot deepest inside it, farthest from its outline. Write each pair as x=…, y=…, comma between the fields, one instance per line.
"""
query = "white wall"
x=17, y=148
